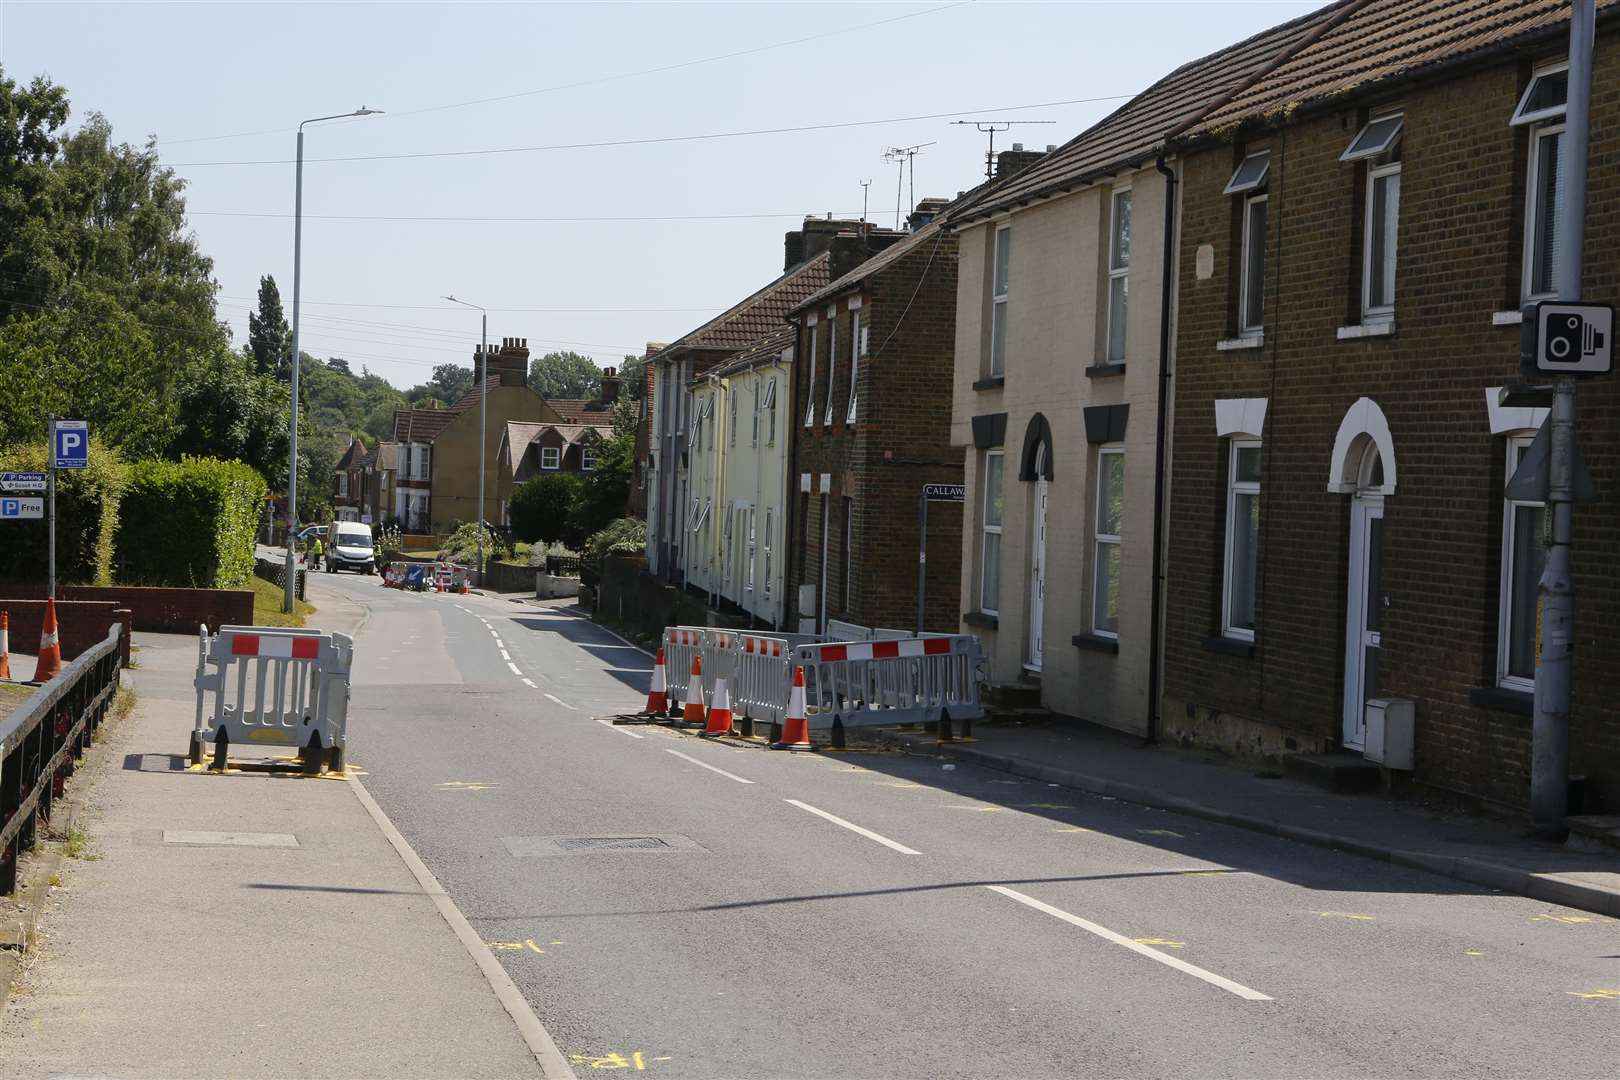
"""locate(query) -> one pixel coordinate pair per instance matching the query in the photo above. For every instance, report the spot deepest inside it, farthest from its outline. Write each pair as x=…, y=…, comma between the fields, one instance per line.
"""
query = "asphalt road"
x=878, y=915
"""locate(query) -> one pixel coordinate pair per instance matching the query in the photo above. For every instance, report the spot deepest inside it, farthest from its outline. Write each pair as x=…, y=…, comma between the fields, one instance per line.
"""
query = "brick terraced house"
x=1360, y=226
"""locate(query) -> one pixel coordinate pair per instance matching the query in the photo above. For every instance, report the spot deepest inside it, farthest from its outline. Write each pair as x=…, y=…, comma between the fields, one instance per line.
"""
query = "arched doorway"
x=1037, y=562
x=1364, y=468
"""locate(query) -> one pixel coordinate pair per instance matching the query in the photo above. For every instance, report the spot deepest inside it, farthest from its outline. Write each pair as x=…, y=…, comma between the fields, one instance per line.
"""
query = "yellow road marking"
x=1047, y=806
x=517, y=946
x=1162, y=832
x=1072, y=829
x=465, y=785
x=903, y=784
x=980, y=809
x=637, y=1060
x=1605, y=994
x=1567, y=919
x=1345, y=915
x=1166, y=942
x=1473, y=952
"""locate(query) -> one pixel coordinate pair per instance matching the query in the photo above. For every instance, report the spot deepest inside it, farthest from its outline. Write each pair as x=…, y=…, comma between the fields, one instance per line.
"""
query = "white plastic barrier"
x=719, y=658
x=681, y=644
x=273, y=686
x=915, y=680
x=762, y=678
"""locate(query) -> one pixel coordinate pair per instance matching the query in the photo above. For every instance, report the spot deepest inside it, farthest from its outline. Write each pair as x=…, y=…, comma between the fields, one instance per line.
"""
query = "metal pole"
x=483, y=419
x=922, y=556
x=1549, y=758
x=825, y=497
x=292, y=423
x=50, y=510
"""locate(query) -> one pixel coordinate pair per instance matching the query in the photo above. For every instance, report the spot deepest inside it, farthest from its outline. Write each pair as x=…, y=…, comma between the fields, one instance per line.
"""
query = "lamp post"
x=292, y=422
x=483, y=420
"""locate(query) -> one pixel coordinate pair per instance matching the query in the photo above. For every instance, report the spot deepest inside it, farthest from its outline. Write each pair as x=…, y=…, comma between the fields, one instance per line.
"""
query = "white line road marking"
x=605, y=722
x=506, y=656
x=706, y=765
x=1119, y=939
x=499, y=644
x=561, y=702
x=515, y=670
x=530, y=683
x=852, y=827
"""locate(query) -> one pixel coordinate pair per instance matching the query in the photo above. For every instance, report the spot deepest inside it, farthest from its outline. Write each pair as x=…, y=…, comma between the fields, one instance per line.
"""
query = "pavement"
x=1483, y=851
x=692, y=908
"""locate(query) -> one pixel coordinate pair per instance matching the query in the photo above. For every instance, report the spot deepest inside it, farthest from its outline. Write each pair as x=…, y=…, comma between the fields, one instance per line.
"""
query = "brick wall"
x=1460, y=241
x=80, y=624
x=900, y=441
x=157, y=610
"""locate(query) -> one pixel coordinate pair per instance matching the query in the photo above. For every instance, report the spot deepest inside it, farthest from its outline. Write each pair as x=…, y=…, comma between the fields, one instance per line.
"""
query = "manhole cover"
x=527, y=846
x=603, y=843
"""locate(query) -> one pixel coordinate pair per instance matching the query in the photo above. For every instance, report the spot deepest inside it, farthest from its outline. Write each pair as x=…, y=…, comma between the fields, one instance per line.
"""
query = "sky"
x=222, y=87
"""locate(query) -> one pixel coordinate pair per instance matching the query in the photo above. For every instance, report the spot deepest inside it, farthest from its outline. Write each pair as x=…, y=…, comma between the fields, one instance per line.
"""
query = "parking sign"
x=70, y=444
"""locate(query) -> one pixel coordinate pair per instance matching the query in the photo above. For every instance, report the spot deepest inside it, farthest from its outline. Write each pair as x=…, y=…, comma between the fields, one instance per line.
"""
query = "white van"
x=349, y=547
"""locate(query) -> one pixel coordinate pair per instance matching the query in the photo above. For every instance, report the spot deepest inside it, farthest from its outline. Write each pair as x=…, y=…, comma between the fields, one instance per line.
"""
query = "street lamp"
x=483, y=420
x=292, y=422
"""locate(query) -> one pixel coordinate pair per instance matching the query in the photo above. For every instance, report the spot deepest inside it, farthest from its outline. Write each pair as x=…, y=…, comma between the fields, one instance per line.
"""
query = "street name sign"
x=70, y=444
x=13, y=509
x=954, y=493
x=1567, y=339
x=22, y=481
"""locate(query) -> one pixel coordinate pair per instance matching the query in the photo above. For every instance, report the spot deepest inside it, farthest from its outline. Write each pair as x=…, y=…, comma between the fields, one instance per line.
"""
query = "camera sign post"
x=1559, y=338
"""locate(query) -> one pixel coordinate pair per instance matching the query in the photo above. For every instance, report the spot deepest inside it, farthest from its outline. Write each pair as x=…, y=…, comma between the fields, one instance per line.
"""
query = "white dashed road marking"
x=561, y=702
x=852, y=827
x=1119, y=939
x=506, y=656
x=706, y=765
x=515, y=670
x=605, y=722
x=530, y=684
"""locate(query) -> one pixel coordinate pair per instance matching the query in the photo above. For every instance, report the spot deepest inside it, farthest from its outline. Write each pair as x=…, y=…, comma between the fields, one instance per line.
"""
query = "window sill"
x=1096, y=643
x=979, y=618
x=1503, y=699
x=1507, y=318
x=1105, y=371
x=992, y=382
x=1251, y=341
x=1367, y=330
x=1229, y=646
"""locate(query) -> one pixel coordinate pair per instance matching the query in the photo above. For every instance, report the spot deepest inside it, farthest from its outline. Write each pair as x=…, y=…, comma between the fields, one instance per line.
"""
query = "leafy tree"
x=339, y=365
x=626, y=416
x=565, y=375
x=607, y=486
x=633, y=372
x=228, y=411
x=449, y=385
x=542, y=507
x=269, y=336
x=624, y=536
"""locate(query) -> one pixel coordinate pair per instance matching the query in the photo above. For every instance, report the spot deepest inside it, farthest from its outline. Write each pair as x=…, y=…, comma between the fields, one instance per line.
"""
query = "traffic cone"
x=719, y=711
x=50, y=648
x=657, y=698
x=692, y=712
x=5, y=645
x=795, y=728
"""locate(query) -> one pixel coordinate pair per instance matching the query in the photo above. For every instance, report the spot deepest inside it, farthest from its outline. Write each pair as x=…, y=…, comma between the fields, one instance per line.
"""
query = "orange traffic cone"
x=692, y=712
x=719, y=711
x=50, y=648
x=657, y=698
x=795, y=728
x=5, y=645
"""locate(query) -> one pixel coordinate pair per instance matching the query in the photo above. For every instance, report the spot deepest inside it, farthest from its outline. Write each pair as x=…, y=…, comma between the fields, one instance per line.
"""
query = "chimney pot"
x=1018, y=146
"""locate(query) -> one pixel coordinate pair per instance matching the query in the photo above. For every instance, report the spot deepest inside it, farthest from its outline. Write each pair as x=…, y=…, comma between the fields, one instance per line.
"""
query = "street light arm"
x=361, y=111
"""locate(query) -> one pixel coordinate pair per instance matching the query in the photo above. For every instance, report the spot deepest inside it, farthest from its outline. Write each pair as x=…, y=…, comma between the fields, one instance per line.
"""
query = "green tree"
x=228, y=411
x=269, y=336
x=607, y=486
x=633, y=373
x=542, y=507
x=565, y=375
x=449, y=385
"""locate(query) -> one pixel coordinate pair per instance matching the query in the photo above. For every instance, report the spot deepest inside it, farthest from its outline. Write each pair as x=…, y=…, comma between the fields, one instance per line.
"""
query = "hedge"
x=190, y=523
x=87, y=514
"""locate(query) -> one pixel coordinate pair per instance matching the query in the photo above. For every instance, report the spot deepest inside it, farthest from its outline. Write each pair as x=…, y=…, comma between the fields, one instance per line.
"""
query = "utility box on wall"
x=1389, y=733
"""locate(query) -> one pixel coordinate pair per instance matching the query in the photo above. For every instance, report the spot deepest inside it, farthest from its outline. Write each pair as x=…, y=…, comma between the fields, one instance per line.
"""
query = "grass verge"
x=267, y=611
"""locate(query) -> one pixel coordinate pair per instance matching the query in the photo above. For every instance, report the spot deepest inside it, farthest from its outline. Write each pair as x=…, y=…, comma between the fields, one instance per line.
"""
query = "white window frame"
x=768, y=524
x=754, y=439
x=1234, y=488
x=1510, y=542
x=832, y=367
x=1119, y=272
x=1234, y=187
x=343, y=485
x=731, y=393
x=999, y=290
x=810, y=384
x=1521, y=118
x=1371, y=312
x=1532, y=179
x=587, y=457
x=1380, y=148
x=857, y=345
x=986, y=529
x=553, y=454
x=752, y=549
x=1100, y=539
x=1245, y=328
x=770, y=407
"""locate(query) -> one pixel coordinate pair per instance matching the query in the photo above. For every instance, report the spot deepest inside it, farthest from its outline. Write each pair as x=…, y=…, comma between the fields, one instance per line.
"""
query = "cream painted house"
x=738, y=476
x=1060, y=347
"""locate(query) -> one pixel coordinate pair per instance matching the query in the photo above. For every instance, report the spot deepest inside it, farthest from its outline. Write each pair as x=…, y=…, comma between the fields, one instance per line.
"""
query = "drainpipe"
x=1161, y=439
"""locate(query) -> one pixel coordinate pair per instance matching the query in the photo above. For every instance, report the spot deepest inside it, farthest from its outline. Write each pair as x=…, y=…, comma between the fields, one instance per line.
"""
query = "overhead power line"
x=654, y=140
x=794, y=214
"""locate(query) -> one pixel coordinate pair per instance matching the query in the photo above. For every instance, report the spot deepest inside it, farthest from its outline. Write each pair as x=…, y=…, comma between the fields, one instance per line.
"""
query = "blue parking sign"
x=70, y=444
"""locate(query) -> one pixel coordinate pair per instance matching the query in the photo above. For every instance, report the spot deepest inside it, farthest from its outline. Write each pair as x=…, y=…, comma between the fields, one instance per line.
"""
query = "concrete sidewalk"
x=1480, y=851
x=295, y=941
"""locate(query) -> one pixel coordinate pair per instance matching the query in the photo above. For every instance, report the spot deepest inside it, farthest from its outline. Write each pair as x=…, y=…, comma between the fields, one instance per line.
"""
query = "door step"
x=1342, y=771
x=1594, y=833
x=1013, y=695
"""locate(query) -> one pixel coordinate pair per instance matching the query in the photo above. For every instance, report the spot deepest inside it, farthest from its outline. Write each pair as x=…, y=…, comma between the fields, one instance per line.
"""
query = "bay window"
x=1106, y=540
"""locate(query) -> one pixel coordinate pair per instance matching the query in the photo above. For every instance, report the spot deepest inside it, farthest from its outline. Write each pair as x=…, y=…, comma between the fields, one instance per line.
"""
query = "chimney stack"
x=610, y=385
x=509, y=363
x=1016, y=160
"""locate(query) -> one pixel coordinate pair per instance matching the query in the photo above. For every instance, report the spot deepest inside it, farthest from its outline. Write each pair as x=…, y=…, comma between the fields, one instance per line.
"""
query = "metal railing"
x=41, y=741
x=562, y=565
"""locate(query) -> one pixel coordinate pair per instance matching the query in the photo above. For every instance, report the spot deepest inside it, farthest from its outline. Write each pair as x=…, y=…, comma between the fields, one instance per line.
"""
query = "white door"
x=1363, y=639
x=1037, y=568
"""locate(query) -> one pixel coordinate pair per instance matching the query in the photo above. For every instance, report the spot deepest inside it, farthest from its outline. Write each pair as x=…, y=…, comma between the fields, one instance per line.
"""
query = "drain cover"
x=523, y=846
x=604, y=843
